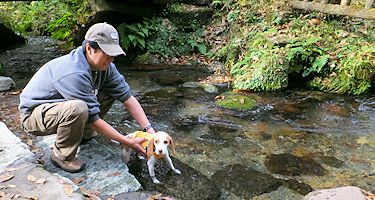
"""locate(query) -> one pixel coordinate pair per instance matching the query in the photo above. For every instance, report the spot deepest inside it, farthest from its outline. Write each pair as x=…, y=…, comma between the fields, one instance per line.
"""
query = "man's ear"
x=88, y=48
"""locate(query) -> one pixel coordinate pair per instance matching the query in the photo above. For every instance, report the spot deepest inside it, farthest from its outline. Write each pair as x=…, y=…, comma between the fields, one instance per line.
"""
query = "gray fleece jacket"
x=70, y=77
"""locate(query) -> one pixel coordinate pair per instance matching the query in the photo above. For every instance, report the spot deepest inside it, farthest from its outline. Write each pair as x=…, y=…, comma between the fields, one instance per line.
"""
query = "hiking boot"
x=73, y=166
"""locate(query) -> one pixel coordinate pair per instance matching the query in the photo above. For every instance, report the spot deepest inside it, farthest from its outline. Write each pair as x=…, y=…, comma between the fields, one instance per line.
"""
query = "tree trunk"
x=334, y=9
x=345, y=2
x=369, y=3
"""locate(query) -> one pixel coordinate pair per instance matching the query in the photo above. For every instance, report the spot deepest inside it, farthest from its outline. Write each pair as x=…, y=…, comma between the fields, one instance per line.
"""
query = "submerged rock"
x=288, y=164
x=190, y=184
x=244, y=182
x=235, y=102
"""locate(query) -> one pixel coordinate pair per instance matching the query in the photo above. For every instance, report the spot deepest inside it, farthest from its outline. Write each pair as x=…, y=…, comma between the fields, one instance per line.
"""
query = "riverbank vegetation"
x=58, y=19
x=270, y=46
x=264, y=45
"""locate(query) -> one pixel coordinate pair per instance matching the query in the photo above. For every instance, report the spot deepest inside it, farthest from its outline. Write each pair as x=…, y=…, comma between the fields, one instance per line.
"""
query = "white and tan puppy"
x=156, y=146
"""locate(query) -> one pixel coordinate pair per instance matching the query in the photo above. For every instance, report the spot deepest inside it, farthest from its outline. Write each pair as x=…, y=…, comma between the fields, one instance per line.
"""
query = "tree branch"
x=334, y=9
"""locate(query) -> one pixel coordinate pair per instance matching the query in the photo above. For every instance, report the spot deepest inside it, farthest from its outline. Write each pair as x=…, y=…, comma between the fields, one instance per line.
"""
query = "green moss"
x=236, y=102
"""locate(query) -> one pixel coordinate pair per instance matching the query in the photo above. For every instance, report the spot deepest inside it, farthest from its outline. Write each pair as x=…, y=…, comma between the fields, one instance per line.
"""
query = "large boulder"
x=10, y=40
x=105, y=172
x=12, y=149
x=348, y=192
x=6, y=83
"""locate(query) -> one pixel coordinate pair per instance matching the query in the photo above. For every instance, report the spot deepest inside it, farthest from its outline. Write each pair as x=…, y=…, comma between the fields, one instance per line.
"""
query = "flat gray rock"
x=12, y=149
x=105, y=172
x=46, y=186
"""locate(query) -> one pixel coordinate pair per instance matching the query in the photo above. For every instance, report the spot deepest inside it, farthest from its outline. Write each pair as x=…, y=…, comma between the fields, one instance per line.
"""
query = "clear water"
x=337, y=132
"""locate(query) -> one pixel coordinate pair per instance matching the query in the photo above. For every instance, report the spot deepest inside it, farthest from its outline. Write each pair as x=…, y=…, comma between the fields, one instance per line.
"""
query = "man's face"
x=98, y=60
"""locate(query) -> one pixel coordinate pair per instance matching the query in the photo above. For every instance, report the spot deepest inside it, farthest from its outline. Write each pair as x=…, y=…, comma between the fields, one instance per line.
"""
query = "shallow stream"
x=296, y=140
x=310, y=139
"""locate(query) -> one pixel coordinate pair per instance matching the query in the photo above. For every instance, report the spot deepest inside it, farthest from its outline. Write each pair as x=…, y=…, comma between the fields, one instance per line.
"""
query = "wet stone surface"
x=244, y=182
x=288, y=164
x=190, y=184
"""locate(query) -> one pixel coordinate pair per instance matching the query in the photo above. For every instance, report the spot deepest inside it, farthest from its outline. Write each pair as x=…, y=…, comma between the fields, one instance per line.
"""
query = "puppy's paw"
x=177, y=171
x=141, y=157
x=155, y=181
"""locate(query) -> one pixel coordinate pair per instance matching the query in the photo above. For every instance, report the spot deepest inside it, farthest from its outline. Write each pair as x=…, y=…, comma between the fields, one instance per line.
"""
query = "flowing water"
x=314, y=139
x=295, y=139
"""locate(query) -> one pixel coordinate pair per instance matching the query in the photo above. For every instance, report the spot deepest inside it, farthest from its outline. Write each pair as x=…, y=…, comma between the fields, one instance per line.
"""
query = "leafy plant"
x=307, y=56
x=134, y=34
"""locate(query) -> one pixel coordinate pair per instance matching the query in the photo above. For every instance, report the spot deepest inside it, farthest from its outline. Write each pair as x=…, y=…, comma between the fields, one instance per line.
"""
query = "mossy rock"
x=235, y=102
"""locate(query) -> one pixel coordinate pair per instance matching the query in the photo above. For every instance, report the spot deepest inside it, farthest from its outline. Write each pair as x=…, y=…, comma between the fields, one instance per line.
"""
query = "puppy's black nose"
x=160, y=151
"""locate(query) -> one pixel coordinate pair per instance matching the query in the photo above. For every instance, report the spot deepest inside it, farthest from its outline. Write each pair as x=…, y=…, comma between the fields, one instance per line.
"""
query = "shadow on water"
x=299, y=140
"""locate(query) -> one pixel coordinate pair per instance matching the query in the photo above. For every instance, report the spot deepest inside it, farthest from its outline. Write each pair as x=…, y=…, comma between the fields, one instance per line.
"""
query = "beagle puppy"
x=156, y=146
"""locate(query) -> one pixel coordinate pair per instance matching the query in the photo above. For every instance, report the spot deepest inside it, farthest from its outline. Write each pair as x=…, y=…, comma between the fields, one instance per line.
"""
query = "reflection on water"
x=303, y=140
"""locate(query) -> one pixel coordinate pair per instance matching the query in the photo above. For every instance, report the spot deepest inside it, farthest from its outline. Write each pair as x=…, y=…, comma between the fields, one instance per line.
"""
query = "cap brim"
x=112, y=50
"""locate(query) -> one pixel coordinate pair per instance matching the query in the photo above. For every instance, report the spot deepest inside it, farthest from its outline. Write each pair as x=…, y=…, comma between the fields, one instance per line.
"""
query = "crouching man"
x=69, y=96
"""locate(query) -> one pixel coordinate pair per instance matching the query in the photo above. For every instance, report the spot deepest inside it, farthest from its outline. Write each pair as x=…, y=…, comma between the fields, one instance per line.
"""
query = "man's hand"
x=136, y=144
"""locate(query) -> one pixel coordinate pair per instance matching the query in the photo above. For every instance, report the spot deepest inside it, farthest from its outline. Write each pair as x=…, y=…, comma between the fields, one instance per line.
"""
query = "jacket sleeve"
x=78, y=86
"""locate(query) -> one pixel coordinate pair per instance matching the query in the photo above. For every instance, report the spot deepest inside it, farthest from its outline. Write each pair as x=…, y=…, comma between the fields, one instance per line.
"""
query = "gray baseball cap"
x=107, y=38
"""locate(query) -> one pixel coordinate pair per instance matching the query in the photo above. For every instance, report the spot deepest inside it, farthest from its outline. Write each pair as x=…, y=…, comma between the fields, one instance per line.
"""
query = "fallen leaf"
x=31, y=178
x=90, y=194
x=68, y=189
x=40, y=181
x=242, y=101
x=362, y=140
x=167, y=198
x=154, y=197
x=6, y=177
x=12, y=186
x=116, y=174
x=77, y=181
x=15, y=93
x=219, y=97
x=10, y=169
x=29, y=142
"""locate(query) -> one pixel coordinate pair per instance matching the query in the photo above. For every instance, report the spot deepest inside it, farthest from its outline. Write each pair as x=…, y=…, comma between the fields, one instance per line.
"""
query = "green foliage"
x=353, y=74
x=261, y=70
x=329, y=53
x=160, y=36
x=60, y=19
x=135, y=34
x=306, y=56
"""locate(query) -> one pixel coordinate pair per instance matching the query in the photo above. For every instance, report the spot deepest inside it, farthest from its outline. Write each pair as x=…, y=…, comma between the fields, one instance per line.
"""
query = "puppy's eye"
x=165, y=142
x=156, y=141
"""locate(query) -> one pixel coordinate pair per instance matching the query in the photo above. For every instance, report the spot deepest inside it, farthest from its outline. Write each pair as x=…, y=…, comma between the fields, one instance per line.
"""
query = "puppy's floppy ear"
x=172, y=145
x=150, y=148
